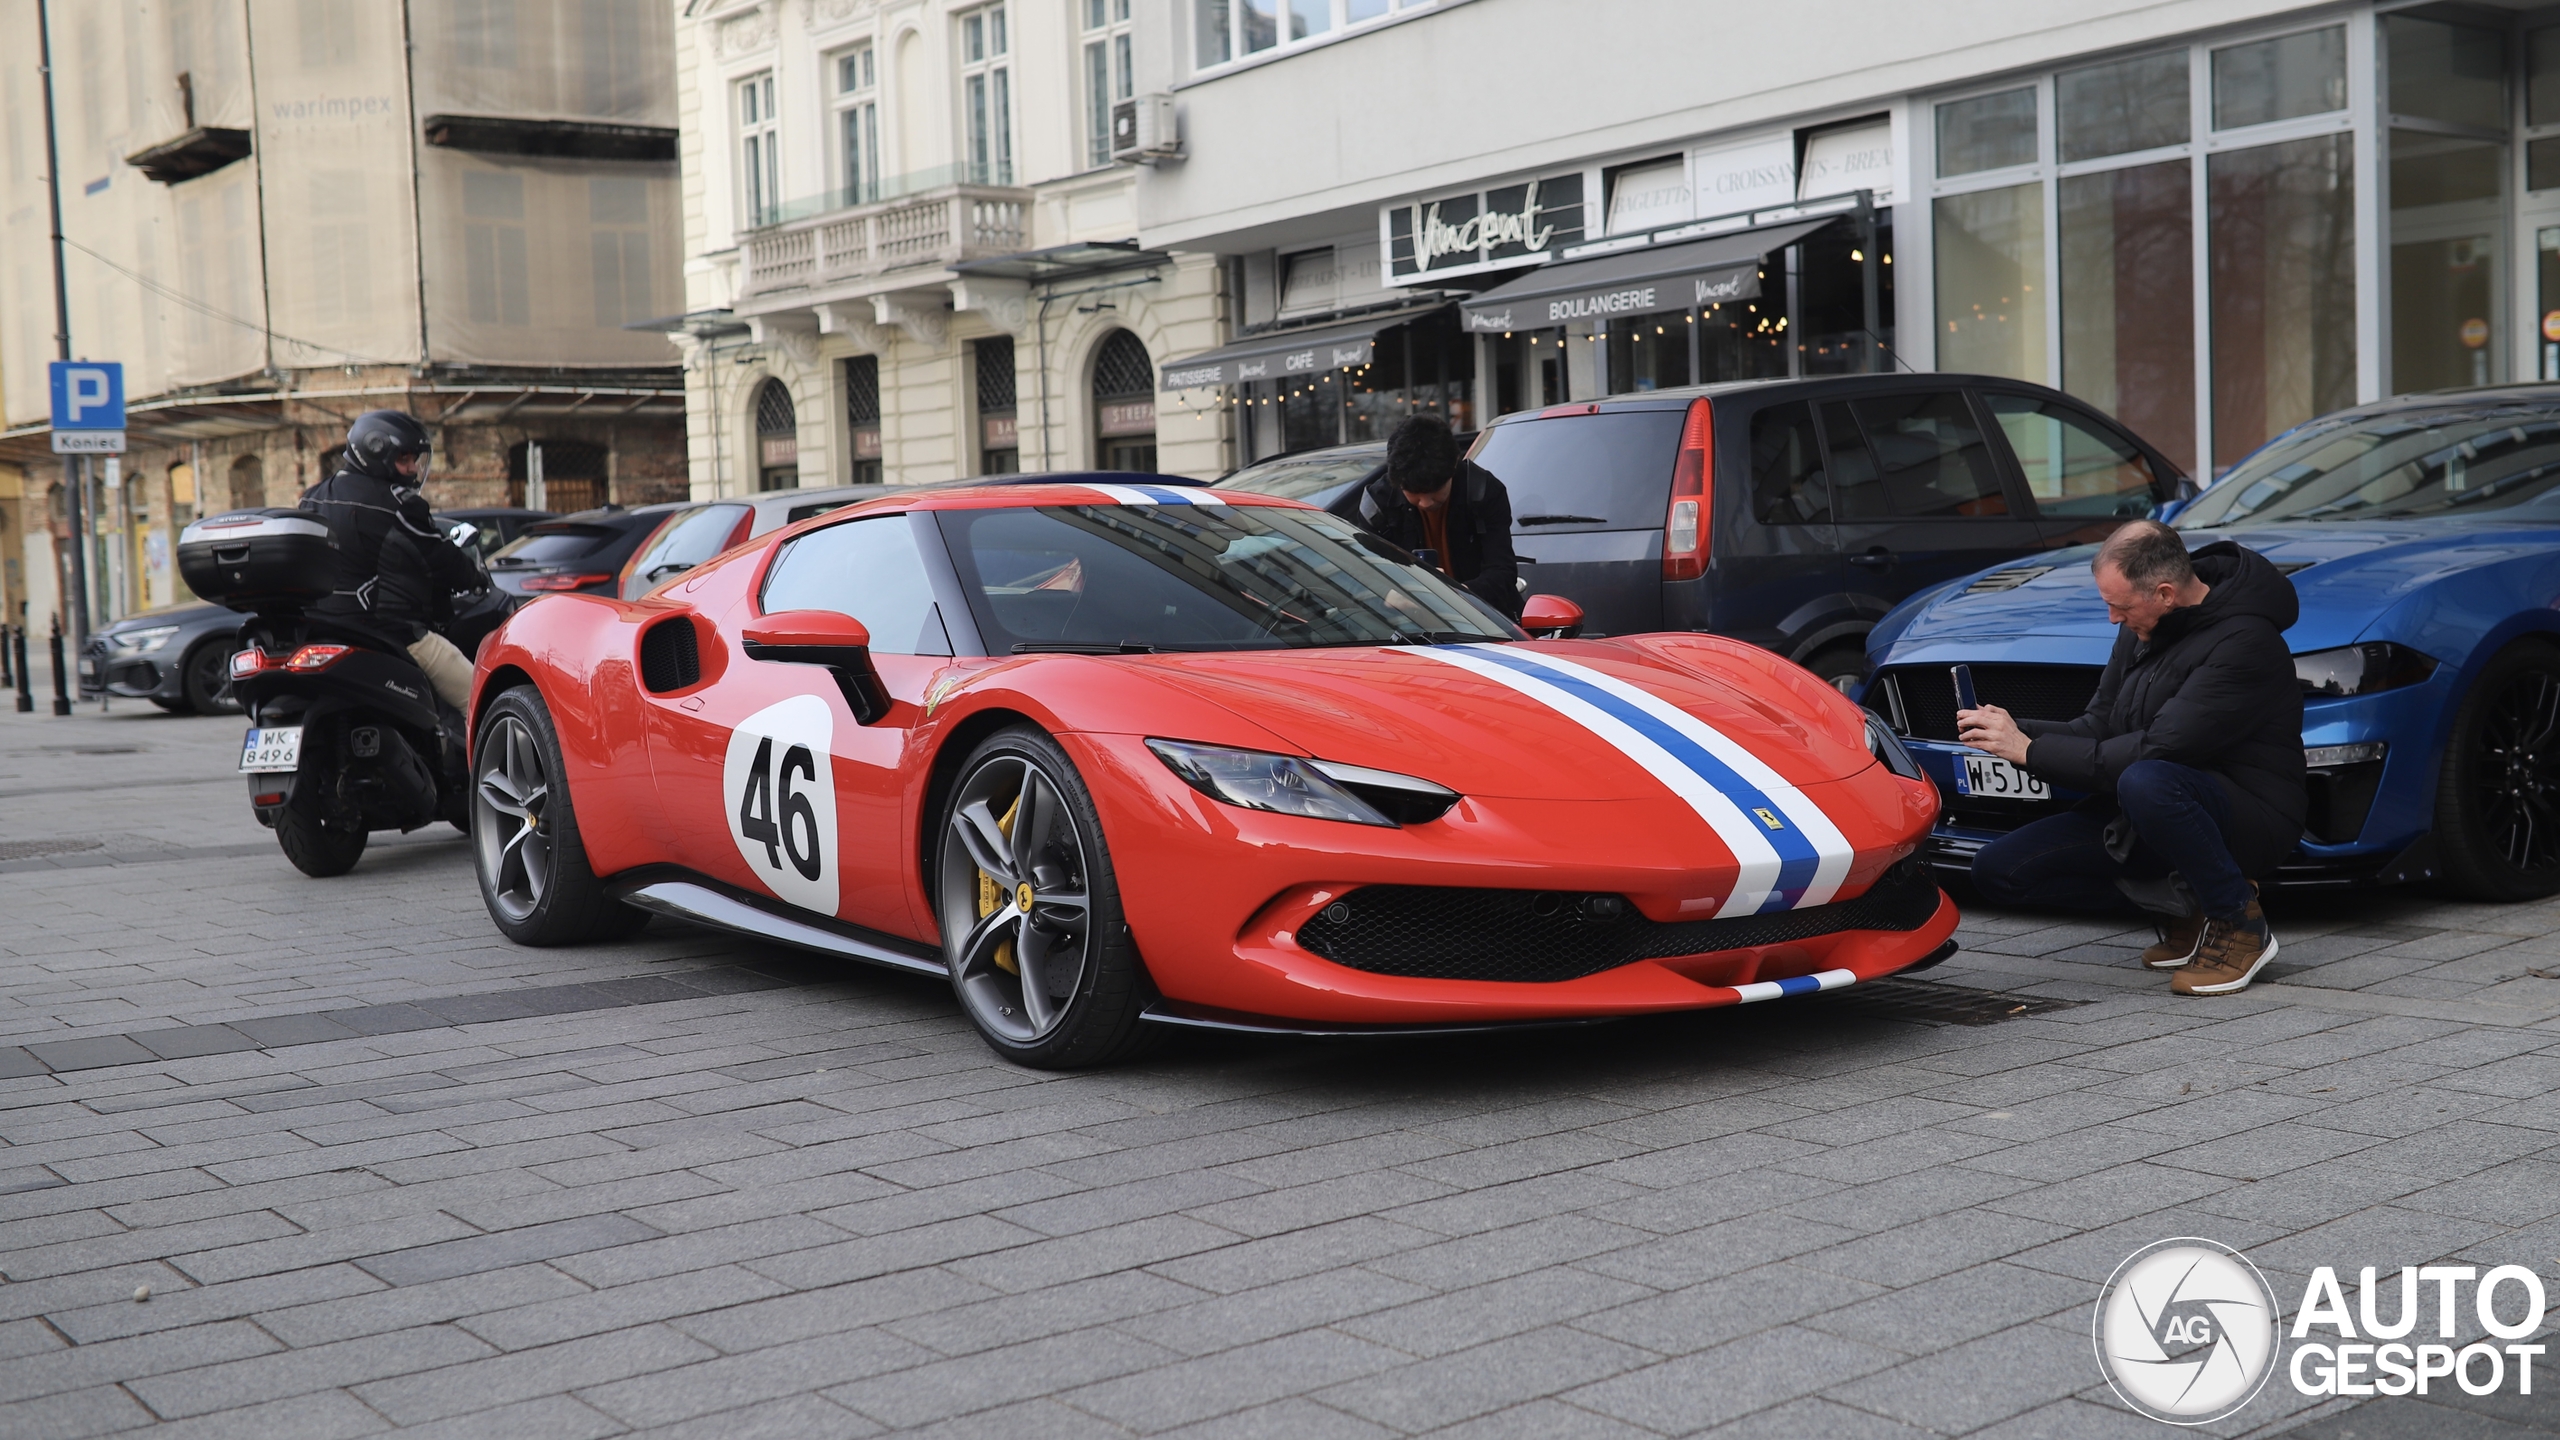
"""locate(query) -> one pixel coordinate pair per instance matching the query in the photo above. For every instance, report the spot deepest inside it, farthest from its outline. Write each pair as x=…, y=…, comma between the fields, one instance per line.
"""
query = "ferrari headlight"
x=1256, y=780
x=142, y=642
x=2360, y=669
x=1886, y=746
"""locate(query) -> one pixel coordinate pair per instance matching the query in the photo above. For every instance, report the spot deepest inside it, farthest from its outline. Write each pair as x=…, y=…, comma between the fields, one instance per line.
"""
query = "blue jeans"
x=2061, y=862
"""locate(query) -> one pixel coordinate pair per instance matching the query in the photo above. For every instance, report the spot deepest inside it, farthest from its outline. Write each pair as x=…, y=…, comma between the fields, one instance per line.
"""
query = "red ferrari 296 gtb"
x=1110, y=754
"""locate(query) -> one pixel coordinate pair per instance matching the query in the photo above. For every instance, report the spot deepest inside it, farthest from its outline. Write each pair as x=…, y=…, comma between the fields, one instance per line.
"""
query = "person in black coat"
x=2191, y=752
x=394, y=573
x=1449, y=511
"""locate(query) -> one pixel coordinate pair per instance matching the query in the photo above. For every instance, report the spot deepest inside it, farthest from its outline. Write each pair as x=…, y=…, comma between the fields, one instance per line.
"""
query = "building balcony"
x=833, y=247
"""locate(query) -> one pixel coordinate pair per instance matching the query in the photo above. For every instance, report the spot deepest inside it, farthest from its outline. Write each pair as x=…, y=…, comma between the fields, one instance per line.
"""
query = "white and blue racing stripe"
x=1787, y=852
x=1794, y=985
x=1156, y=494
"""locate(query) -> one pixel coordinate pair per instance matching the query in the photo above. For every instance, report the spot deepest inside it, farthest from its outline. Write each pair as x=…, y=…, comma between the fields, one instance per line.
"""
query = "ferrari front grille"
x=2030, y=692
x=1430, y=932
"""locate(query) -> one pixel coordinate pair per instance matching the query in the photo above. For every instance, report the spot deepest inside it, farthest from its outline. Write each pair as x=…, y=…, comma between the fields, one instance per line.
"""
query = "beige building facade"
x=909, y=255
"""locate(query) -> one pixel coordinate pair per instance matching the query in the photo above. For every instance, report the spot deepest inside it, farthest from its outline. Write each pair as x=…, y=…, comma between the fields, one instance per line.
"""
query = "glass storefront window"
x=1528, y=370
x=1990, y=262
x=2280, y=79
x=2452, y=73
x=2542, y=164
x=1987, y=132
x=1745, y=339
x=2447, y=214
x=2546, y=251
x=1649, y=352
x=2542, y=76
x=2128, y=298
x=2281, y=237
x=1830, y=330
x=2122, y=106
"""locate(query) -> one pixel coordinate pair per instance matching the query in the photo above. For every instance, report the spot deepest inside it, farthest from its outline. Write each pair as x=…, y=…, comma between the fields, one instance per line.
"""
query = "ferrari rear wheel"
x=1030, y=910
x=2498, y=795
x=525, y=843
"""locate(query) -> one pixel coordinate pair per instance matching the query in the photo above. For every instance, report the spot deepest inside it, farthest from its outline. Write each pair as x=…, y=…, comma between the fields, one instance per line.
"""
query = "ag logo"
x=2186, y=1331
x=779, y=792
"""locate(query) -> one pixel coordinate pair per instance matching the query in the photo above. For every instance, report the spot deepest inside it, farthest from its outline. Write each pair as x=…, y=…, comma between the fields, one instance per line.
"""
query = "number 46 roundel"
x=779, y=785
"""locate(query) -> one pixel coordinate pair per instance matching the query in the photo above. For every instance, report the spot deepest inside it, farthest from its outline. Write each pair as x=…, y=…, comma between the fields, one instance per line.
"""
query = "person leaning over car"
x=2191, y=751
x=1429, y=499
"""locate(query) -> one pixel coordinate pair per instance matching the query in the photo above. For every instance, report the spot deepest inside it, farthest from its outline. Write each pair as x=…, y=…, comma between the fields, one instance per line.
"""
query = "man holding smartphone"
x=2190, y=752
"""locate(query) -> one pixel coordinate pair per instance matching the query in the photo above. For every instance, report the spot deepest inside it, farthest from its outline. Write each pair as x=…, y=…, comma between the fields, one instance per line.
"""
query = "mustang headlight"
x=142, y=642
x=2365, y=669
x=1317, y=789
x=1886, y=746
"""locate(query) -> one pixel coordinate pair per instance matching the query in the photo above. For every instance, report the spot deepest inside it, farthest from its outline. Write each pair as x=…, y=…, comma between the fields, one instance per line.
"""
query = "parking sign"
x=88, y=407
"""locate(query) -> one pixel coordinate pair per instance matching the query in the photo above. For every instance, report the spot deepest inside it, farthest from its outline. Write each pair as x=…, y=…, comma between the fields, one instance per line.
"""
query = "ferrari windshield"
x=2453, y=460
x=1196, y=577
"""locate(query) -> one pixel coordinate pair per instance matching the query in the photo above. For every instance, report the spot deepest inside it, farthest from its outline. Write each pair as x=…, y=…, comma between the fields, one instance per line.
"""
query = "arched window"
x=1124, y=404
x=248, y=483
x=777, y=438
x=573, y=475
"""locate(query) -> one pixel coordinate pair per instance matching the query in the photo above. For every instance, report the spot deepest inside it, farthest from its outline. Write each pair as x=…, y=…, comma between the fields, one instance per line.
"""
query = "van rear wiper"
x=1561, y=520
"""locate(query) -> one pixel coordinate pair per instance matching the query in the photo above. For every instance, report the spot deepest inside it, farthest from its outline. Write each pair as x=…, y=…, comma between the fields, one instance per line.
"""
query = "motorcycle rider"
x=394, y=573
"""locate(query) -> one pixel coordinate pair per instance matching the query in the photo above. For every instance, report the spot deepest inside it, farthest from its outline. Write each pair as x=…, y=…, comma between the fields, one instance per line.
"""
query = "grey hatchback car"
x=1789, y=513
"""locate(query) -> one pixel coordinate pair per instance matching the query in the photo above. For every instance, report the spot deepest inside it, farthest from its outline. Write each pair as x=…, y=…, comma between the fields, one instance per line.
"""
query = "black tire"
x=2498, y=785
x=1842, y=667
x=206, y=678
x=317, y=848
x=525, y=844
x=1020, y=819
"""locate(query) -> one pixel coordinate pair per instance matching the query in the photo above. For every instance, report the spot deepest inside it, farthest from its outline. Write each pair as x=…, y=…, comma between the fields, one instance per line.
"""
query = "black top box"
x=246, y=559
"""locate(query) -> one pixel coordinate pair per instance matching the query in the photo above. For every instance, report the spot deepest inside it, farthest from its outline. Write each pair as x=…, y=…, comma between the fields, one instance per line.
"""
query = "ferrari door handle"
x=1876, y=559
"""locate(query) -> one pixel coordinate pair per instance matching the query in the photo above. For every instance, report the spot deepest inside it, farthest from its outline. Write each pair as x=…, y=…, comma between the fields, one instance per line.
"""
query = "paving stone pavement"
x=823, y=1208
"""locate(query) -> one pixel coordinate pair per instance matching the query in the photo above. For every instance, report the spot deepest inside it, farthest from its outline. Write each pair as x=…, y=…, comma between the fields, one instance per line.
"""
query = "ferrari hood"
x=1591, y=720
x=2347, y=575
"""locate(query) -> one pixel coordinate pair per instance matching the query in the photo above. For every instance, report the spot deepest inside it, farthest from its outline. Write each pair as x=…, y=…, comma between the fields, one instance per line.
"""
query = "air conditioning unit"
x=1142, y=130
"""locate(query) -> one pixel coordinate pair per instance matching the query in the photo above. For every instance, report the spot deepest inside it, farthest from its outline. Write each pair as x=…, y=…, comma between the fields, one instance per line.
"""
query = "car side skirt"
x=683, y=895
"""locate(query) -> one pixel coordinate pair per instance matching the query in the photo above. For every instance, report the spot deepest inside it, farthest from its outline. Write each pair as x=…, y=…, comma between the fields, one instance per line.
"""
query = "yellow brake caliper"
x=990, y=894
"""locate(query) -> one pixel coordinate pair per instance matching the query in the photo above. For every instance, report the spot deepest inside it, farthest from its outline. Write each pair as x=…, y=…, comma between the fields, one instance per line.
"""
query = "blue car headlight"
x=1316, y=789
x=2366, y=669
x=1886, y=746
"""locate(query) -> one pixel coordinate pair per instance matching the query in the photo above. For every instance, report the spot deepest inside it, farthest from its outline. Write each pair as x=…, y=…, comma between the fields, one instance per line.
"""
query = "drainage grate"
x=1891, y=999
x=38, y=849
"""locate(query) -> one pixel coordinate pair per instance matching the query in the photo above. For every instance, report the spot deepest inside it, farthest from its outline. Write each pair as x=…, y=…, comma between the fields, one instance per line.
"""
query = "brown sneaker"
x=2178, y=941
x=2231, y=955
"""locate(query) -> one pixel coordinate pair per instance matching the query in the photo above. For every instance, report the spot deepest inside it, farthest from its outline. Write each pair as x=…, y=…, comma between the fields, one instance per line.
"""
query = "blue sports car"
x=2423, y=535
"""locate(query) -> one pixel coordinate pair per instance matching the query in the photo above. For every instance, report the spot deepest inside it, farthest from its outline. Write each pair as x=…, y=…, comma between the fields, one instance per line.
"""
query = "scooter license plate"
x=277, y=747
x=1985, y=777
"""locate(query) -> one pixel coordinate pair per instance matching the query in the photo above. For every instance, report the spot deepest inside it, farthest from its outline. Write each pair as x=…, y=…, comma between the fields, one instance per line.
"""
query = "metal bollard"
x=8, y=670
x=61, y=690
x=26, y=678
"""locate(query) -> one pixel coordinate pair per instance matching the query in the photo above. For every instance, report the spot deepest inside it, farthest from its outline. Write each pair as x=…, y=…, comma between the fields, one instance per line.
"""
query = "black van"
x=1795, y=513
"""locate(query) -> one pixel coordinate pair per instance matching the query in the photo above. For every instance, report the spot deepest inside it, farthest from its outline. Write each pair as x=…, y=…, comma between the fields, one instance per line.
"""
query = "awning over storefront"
x=1310, y=350
x=1636, y=282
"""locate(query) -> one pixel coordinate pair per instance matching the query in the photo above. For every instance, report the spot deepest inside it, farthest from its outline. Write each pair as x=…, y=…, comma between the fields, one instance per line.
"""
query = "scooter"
x=346, y=736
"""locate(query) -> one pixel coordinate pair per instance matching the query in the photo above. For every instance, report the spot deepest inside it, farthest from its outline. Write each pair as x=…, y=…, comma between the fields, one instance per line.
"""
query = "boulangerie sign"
x=1837, y=162
x=1746, y=177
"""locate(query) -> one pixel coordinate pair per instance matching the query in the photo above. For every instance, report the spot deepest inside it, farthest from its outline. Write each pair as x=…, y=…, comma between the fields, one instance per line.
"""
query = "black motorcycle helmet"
x=381, y=437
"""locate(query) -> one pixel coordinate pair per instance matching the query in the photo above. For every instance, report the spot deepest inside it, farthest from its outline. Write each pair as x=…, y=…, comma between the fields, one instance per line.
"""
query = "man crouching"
x=2191, y=752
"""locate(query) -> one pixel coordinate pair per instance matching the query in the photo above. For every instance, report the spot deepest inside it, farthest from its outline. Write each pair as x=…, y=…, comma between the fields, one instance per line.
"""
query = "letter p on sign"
x=88, y=395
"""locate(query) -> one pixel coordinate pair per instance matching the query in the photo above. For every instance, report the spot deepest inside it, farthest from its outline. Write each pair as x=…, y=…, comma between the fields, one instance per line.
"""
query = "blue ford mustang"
x=2423, y=534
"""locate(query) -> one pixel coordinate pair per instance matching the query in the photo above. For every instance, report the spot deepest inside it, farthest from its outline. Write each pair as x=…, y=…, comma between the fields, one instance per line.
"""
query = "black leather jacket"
x=1480, y=557
x=391, y=570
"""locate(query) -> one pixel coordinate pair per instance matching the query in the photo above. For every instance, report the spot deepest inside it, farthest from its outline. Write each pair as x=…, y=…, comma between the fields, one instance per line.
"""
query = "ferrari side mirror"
x=1551, y=617
x=823, y=637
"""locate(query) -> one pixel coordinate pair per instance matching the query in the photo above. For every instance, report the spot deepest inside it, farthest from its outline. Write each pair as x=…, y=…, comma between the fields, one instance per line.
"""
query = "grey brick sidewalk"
x=824, y=1209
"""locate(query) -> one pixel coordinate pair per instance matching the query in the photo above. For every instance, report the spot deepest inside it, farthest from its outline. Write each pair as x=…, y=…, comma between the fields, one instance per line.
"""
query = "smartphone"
x=1965, y=698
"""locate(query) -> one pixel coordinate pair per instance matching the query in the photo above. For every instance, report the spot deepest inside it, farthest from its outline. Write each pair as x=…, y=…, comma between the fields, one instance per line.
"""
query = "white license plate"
x=277, y=747
x=1986, y=777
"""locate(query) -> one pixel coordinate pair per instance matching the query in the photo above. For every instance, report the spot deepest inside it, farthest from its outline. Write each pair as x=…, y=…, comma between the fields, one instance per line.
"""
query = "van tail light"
x=540, y=583
x=1684, y=531
x=315, y=657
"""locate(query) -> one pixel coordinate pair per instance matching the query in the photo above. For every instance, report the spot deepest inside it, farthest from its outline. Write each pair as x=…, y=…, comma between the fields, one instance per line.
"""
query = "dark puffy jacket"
x=2213, y=688
x=1480, y=556
x=392, y=571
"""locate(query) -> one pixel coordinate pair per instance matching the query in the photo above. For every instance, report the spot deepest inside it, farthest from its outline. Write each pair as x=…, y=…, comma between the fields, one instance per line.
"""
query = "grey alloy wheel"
x=1017, y=918
x=509, y=796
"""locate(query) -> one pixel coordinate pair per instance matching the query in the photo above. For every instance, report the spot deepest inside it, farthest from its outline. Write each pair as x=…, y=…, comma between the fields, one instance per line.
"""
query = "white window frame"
x=1106, y=70
x=2358, y=117
x=982, y=44
x=1339, y=23
x=759, y=150
x=855, y=109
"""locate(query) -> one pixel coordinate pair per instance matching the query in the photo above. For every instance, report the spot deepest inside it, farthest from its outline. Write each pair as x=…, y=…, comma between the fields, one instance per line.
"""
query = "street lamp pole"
x=71, y=485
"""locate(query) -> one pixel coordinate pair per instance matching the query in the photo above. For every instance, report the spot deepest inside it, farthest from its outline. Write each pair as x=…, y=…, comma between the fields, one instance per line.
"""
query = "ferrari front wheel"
x=525, y=842
x=1030, y=910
